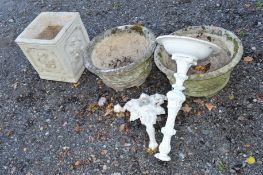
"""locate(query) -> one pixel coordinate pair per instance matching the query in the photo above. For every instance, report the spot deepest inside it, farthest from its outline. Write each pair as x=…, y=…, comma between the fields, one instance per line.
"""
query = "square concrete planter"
x=54, y=43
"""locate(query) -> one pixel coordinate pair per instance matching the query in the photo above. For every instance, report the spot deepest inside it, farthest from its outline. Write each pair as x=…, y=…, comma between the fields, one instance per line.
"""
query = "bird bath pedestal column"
x=186, y=52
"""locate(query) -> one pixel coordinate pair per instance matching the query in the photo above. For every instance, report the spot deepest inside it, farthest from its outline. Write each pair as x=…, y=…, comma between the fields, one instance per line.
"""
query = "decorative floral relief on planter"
x=75, y=47
x=54, y=43
x=45, y=60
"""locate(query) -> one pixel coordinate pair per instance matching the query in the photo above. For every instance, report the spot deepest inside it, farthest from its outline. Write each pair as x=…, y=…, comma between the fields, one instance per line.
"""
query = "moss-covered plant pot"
x=205, y=83
x=121, y=56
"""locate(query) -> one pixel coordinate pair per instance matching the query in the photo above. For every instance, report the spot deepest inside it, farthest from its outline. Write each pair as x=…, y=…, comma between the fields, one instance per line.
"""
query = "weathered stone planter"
x=121, y=56
x=216, y=78
x=54, y=43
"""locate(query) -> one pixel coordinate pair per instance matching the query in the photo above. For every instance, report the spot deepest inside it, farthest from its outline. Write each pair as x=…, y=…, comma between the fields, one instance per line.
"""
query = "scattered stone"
x=104, y=168
x=127, y=144
x=241, y=118
x=250, y=105
x=182, y=156
x=232, y=171
x=205, y=132
x=190, y=130
x=11, y=20
x=102, y=101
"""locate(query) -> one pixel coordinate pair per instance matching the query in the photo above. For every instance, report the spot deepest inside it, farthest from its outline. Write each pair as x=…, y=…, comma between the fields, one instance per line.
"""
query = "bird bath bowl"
x=203, y=84
x=121, y=56
x=187, y=47
x=186, y=52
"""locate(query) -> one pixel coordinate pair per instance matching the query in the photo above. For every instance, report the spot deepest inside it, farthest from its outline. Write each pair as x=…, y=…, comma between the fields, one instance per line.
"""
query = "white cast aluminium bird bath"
x=186, y=51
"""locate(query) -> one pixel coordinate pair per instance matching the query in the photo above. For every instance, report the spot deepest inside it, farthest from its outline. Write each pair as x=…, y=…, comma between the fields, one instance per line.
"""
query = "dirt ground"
x=49, y=127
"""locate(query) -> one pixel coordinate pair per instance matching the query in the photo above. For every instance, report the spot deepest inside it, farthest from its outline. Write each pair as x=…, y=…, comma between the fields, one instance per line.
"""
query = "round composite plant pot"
x=212, y=74
x=121, y=56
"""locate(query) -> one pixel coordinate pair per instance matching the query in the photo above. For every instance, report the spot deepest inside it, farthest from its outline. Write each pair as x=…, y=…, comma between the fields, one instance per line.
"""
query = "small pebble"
x=104, y=168
x=127, y=144
x=250, y=105
x=102, y=101
x=205, y=132
x=190, y=130
x=232, y=171
x=182, y=156
x=253, y=48
x=241, y=118
x=11, y=20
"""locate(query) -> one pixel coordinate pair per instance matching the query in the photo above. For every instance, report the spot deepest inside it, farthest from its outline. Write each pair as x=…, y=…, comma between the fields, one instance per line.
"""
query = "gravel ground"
x=51, y=127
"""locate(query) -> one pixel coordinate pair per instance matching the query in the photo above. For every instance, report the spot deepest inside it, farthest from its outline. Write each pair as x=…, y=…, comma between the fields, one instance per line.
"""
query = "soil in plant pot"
x=119, y=50
x=49, y=32
x=209, y=64
x=120, y=62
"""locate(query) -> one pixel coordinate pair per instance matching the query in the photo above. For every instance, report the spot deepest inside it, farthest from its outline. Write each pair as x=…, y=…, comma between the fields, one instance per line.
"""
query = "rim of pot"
x=149, y=35
x=228, y=67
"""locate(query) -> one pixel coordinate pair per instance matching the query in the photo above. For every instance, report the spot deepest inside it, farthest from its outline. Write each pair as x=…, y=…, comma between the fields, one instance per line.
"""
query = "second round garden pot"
x=121, y=56
x=202, y=84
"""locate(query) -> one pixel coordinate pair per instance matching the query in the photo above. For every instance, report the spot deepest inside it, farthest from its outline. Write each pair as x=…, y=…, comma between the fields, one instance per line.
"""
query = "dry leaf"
x=109, y=109
x=151, y=151
x=77, y=163
x=78, y=129
x=186, y=108
x=125, y=98
x=199, y=101
x=247, y=145
x=231, y=97
x=210, y=106
x=199, y=113
x=80, y=113
x=76, y=85
x=120, y=114
x=122, y=141
x=104, y=152
x=93, y=107
x=10, y=133
x=248, y=59
x=260, y=98
x=251, y=160
x=126, y=129
x=202, y=68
